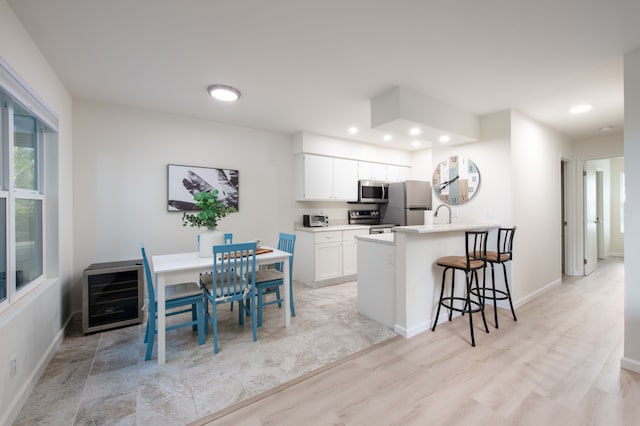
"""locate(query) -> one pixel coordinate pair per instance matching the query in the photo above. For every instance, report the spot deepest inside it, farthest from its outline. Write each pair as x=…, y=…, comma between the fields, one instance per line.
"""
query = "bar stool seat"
x=502, y=255
x=470, y=263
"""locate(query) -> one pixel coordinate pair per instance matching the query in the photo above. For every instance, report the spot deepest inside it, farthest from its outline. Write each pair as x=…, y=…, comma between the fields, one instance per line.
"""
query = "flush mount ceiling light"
x=579, y=109
x=353, y=130
x=222, y=92
x=387, y=138
x=445, y=138
x=415, y=131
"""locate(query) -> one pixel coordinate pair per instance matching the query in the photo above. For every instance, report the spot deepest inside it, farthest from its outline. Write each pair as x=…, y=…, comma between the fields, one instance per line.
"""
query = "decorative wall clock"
x=456, y=180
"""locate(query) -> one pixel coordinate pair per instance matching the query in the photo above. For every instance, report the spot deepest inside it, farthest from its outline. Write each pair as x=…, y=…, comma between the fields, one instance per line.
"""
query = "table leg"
x=160, y=296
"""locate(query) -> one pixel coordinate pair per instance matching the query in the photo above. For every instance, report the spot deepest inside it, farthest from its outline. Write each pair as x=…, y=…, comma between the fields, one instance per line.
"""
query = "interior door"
x=590, y=220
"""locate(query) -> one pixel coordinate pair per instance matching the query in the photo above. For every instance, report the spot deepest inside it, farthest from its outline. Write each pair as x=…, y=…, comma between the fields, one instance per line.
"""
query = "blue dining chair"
x=232, y=279
x=268, y=281
x=228, y=239
x=177, y=295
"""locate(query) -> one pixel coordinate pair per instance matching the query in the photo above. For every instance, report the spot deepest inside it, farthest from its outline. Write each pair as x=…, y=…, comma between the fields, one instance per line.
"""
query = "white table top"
x=193, y=261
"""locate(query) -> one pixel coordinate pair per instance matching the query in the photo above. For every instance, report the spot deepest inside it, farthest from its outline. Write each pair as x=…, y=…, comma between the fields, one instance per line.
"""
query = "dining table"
x=166, y=264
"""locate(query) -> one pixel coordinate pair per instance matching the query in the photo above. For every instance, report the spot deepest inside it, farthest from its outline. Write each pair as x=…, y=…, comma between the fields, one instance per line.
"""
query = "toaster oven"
x=312, y=220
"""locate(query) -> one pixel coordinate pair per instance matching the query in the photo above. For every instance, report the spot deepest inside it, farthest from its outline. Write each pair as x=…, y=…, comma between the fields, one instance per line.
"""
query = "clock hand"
x=447, y=183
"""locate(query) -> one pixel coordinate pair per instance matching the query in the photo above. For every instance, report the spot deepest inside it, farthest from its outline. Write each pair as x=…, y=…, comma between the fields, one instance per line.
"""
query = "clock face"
x=456, y=180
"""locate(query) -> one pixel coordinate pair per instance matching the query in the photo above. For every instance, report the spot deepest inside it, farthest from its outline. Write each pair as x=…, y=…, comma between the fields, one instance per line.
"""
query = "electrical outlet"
x=13, y=365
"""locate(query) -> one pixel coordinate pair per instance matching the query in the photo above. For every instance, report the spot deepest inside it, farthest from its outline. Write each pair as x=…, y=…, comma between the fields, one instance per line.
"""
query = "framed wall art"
x=185, y=181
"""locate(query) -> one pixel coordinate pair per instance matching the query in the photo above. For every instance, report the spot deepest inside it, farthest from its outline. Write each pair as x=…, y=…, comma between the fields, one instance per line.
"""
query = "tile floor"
x=103, y=379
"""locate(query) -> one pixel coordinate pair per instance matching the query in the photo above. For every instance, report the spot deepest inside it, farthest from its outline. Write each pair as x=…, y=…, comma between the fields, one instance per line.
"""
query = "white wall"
x=631, y=357
x=120, y=181
x=492, y=156
x=616, y=245
x=603, y=146
x=422, y=165
x=326, y=145
x=536, y=153
x=32, y=327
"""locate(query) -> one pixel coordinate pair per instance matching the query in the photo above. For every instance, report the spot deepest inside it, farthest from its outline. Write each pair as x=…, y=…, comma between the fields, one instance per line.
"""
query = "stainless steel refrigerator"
x=407, y=203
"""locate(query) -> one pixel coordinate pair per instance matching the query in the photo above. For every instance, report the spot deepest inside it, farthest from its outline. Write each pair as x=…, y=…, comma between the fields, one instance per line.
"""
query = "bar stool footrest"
x=497, y=294
x=463, y=300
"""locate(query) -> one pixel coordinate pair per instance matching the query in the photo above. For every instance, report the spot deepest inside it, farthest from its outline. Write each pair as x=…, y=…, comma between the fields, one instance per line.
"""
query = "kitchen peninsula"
x=398, y=280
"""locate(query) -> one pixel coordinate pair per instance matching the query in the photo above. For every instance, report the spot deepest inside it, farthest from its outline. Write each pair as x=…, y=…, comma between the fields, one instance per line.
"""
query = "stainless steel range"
x=369, y=217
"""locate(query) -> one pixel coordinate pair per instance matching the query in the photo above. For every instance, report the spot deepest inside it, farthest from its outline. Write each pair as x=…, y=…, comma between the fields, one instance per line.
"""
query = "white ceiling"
x=314, y=65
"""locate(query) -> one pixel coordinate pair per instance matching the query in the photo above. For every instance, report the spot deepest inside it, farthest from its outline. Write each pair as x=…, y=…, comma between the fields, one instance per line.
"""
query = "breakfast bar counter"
x=399, y=275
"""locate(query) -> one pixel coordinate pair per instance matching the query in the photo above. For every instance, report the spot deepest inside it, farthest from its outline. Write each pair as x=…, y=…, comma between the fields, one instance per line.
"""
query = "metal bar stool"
x=502, y=255
x=470, y=263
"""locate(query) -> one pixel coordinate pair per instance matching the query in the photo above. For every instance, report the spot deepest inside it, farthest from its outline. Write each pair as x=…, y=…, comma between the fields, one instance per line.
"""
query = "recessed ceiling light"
x=445, y=138
x=415, y=131
x=387, y=137
x=416, y=143
x=353, y=130
x=606, y=128
x=222, y=92
x=580, y=109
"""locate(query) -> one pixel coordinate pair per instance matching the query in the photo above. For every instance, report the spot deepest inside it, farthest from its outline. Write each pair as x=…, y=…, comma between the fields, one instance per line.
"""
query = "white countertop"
x=384, y=238
x=332, y=228
x=444, y=227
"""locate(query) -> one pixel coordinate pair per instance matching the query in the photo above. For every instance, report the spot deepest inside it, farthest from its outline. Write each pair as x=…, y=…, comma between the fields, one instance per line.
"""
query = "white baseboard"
x=413, y=331
x=630, y=364
x=535, y=294
x=25, y=391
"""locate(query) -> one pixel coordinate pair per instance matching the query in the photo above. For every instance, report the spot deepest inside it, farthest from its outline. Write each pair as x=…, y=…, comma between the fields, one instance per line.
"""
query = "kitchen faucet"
x=435, y=214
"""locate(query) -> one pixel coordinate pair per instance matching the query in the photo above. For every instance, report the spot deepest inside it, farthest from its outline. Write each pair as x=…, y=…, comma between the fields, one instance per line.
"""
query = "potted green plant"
x=211, y=211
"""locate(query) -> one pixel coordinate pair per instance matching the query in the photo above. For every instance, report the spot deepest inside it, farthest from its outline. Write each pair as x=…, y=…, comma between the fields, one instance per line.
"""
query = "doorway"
x=602, y=205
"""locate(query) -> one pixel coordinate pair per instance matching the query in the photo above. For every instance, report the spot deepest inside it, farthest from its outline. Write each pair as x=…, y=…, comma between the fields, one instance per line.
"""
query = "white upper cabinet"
x=321, y=178
x=398, y=173
x=383, y=172
x=345, y=180
x=372, y=171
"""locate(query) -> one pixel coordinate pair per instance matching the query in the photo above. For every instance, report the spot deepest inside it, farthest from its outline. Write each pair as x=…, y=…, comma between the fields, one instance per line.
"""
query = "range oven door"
x=373, y=191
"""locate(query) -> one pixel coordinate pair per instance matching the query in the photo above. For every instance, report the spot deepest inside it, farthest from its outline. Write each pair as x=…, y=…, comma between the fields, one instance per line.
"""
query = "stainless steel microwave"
x=372, y=191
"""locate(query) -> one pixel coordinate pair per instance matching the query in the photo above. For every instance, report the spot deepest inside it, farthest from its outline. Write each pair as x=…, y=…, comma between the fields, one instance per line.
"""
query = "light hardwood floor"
x=558, y=365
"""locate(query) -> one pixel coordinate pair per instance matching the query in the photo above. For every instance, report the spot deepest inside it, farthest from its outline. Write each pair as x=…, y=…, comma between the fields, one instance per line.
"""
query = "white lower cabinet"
x=328, y=261
x=326, y=257
x=350, y=251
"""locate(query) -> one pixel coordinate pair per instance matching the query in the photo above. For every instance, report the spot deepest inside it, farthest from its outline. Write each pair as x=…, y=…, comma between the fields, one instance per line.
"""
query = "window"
x=28, y=175
x=22, y=199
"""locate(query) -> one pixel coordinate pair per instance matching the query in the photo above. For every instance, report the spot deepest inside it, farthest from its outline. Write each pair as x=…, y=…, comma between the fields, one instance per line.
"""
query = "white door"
x=590, y=220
